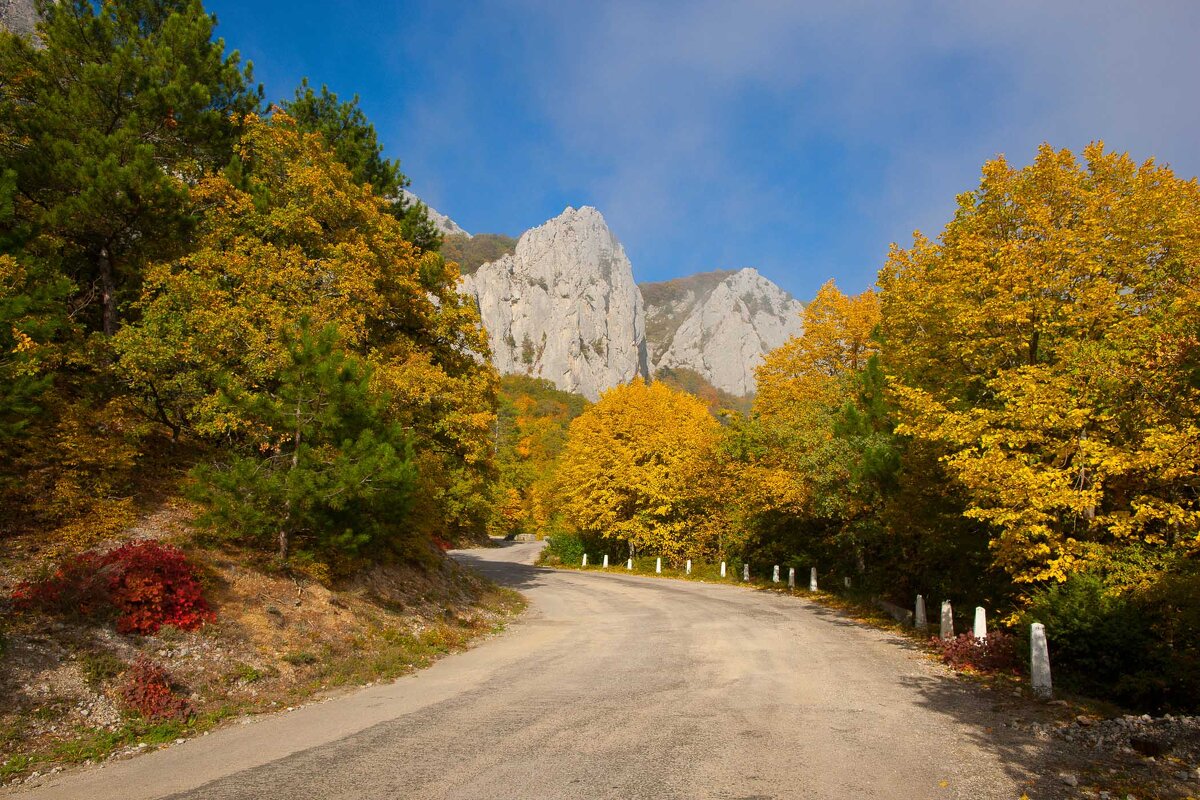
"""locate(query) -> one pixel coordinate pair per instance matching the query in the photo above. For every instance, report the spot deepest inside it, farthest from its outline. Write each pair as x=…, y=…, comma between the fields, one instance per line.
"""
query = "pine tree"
x=107, y=118
x=355, y=142
x=322, y=468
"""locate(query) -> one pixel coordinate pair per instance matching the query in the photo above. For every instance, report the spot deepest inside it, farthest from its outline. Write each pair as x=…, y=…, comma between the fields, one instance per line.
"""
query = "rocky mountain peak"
x=443, y=223
x=564, y=305
x=719, y=324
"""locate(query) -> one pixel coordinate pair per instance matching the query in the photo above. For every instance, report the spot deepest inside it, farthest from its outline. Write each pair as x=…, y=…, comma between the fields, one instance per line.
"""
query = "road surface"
x=617, y=686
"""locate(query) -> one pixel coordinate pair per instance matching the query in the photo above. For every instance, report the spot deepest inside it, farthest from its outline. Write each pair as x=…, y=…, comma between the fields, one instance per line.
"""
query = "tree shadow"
x=510, y=574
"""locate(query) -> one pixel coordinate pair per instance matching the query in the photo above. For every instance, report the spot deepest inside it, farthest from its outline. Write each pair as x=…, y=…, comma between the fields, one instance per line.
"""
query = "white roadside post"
x=722, y=569
x=980, y=623
x=658, y=566
x=791, y=577
x=689, y=567
x=585, y=559
x=629, y=564
x=1039, y=662
x=847, y=582
x=606, y=560
x=745, y=572
x=812, y=579
x=947, y=620
x=919, y=620
x=775, y=575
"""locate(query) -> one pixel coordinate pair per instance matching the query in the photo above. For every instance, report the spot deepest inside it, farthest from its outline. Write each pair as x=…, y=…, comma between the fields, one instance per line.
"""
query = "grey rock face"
x=18, y=16
x=719, y=324
x=564, y=306
x=444, y=224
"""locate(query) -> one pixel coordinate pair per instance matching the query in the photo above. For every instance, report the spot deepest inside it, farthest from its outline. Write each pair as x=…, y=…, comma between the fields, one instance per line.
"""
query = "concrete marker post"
x=947, y=620
x=847, y=582
x=919, y=620
x=812, y=580
x=629, y=564
x=1039, y=662
x=745, y=572
x=791, y=577
x=722, y=569
x=606, y=561
x=585, y=559
x=980, y=623
x=658, y=566
x=775, y=575
x=688, y=569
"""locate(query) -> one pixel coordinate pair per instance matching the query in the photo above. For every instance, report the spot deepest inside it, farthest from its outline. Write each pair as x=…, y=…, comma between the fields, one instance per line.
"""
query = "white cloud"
x=653, y=97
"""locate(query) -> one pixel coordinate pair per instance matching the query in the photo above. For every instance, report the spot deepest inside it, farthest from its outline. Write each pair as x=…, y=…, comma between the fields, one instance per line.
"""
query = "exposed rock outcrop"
x=18, y=16
x=564, y=306
x=447, y=226
x=719, y=324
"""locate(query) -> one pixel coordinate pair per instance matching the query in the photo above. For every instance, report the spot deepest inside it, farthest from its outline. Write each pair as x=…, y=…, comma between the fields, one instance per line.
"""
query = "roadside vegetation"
x=243, y=406
x=1009, y=420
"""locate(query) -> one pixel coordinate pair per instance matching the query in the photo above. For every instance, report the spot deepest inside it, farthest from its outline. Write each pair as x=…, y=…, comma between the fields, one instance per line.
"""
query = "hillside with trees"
x=1009, y=419
x=232, y=365
x=245, y=407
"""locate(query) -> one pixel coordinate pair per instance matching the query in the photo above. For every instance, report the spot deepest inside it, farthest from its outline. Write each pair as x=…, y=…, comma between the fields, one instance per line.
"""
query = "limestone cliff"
x=564, y=306
x=719, y=324
x=443, y=223
x=18, y=16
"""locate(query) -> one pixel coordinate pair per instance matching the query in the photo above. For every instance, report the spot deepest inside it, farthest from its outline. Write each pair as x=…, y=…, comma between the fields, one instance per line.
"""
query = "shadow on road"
x=511, y=574
x=985, y=714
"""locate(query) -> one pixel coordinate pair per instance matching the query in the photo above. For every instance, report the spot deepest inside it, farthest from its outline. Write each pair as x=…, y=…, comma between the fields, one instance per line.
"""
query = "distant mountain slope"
x=447, y=226
x=563, y=306
x=560, y=303
x=472, y=252
x=719, y=324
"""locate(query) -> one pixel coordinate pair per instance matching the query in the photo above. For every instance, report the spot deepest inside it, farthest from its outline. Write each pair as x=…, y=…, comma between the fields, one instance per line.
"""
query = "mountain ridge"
x=560, y=302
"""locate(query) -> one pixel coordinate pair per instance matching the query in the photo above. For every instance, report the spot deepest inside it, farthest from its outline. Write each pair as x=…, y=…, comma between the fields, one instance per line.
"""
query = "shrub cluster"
x=1137, y=646
x=146, y=584
x=995, y=653
x=148, y=691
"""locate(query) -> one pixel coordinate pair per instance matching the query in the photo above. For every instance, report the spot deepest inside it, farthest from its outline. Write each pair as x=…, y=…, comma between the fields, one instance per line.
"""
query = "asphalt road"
x=617, y=686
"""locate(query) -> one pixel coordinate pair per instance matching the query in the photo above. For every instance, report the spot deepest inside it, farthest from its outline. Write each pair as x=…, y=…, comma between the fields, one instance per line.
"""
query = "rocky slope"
x=447, y=226
x=719, y=324
x=564, y=306
x=17, y=16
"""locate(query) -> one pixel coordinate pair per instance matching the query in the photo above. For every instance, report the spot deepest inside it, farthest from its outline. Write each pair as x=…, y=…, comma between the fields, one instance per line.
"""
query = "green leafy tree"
x=107, y=118
x=321, y=467
x=294, y=237
x=355, y=143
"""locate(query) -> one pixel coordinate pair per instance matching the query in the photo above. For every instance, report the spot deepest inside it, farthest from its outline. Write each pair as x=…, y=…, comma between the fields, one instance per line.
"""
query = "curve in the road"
x=618, y=686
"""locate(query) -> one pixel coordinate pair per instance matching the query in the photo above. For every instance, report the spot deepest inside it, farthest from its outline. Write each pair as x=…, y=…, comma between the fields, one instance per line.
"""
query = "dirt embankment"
x=277, y=641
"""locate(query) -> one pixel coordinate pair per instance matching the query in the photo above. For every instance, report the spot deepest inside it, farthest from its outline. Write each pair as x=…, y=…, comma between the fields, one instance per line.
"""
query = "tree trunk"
x=108, y=292
x=287, y=506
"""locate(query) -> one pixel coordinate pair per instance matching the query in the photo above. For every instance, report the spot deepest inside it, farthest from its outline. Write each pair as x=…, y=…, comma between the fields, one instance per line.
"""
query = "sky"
x=800, y=138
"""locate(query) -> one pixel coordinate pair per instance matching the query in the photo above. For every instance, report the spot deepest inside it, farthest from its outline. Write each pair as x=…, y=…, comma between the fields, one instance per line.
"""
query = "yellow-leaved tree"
x=639, y=468
x=1048, y=345
x=800, y=384
x=287, y=234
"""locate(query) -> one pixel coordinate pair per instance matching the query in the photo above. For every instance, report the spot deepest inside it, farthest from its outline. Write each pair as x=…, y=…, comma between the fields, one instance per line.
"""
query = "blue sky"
x=798, y=138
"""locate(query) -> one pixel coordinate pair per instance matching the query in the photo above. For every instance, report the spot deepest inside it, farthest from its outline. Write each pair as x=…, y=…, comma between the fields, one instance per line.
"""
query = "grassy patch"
x=100, y=666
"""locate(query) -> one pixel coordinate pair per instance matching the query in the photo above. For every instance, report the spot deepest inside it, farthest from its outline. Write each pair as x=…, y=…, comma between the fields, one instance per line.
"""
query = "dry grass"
x=279, y=640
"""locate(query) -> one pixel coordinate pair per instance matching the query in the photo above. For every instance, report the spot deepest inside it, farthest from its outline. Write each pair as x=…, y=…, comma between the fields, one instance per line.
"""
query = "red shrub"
x=148, y=584
x=78, y=586
x=996, y=653
x=148, y=691
x=155, y=586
